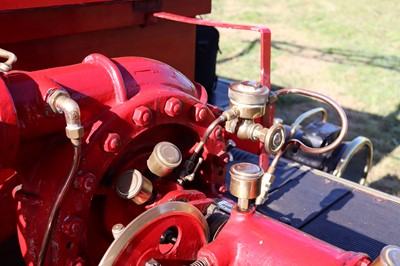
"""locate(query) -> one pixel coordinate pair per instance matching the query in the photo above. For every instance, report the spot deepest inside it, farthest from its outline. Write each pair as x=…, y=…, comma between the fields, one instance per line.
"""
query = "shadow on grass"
x=332, y=55
x=340, y=56
x=388, y=183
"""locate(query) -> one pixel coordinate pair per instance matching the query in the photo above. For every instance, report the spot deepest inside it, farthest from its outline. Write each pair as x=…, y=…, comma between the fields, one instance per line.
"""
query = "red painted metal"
x=265, y=39
x=265, y=62
x=113, y=142
x=44, y=37
x=25, y=4
x=190, y=238
x=253, y=239
x=128, y=105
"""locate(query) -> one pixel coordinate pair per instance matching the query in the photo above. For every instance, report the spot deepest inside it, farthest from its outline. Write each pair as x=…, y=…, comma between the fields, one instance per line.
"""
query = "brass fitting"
x=273, y=137
x=11, y=59
x=245, y=183
x=60, y=102
x=266, y=182
x=249, y=98
x=134, y=186
x=164, y=158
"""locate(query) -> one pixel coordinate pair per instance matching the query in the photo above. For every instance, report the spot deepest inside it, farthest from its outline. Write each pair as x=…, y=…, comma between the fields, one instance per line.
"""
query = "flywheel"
x=168, y=234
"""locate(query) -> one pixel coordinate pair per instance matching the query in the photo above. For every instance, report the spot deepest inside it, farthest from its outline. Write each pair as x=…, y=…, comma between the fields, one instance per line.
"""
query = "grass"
x=348, y=51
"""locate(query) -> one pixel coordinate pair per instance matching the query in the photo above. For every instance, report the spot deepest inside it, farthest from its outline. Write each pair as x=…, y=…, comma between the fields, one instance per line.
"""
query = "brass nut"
x=261, y=133
x=173, y=107
x=74, y=132
x=142, y=116
x=275, y=139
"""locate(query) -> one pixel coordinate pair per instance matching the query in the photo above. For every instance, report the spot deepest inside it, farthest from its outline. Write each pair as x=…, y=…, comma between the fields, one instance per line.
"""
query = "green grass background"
x=348, y=50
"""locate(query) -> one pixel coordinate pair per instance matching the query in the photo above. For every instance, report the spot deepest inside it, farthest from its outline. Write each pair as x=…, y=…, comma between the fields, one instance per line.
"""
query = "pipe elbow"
x=11, y=59
x=70, y=109
x=60, y=102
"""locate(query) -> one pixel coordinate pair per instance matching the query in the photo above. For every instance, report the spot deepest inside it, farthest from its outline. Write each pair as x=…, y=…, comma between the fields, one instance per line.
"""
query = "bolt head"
x=200, y=112
x=218, y=132
x=73, y=226
x=75, y=261
x=85, y=181
x=112, y=142
x=142, y=116
x=173, y=107
x=223, y=189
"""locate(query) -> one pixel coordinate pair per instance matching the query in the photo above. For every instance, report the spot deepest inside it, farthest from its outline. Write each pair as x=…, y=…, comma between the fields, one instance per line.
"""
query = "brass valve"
x=248, y=100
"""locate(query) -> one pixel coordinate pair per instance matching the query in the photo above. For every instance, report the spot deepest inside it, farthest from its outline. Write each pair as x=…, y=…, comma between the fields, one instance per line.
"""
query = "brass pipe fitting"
x=60, y=102
x=245, y=183
x=11, y=59
x=248, y=98
x=132, y=185
x=164, y=158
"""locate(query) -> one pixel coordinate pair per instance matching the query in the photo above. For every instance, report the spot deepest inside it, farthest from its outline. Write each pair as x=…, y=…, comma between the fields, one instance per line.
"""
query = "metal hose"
x=60, y=102
x=59, y=201
x=298, y=143
x=207, y=133
x=329, y=101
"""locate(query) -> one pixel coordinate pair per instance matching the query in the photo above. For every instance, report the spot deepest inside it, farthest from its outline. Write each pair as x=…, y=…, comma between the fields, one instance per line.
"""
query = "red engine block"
x=128, y=105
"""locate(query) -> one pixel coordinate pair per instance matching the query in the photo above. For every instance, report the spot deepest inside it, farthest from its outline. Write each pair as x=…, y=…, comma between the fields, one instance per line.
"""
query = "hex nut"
x=173, y=107
x=85, y=181
x=73, y=226
x=112, y=142
x=74, y=132
x=200, y=112
x=218, y=132
x=142, y=116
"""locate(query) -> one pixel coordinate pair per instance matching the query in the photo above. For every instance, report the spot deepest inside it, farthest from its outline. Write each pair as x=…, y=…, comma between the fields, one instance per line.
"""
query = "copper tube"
x=208, y=132
x=329, y=101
